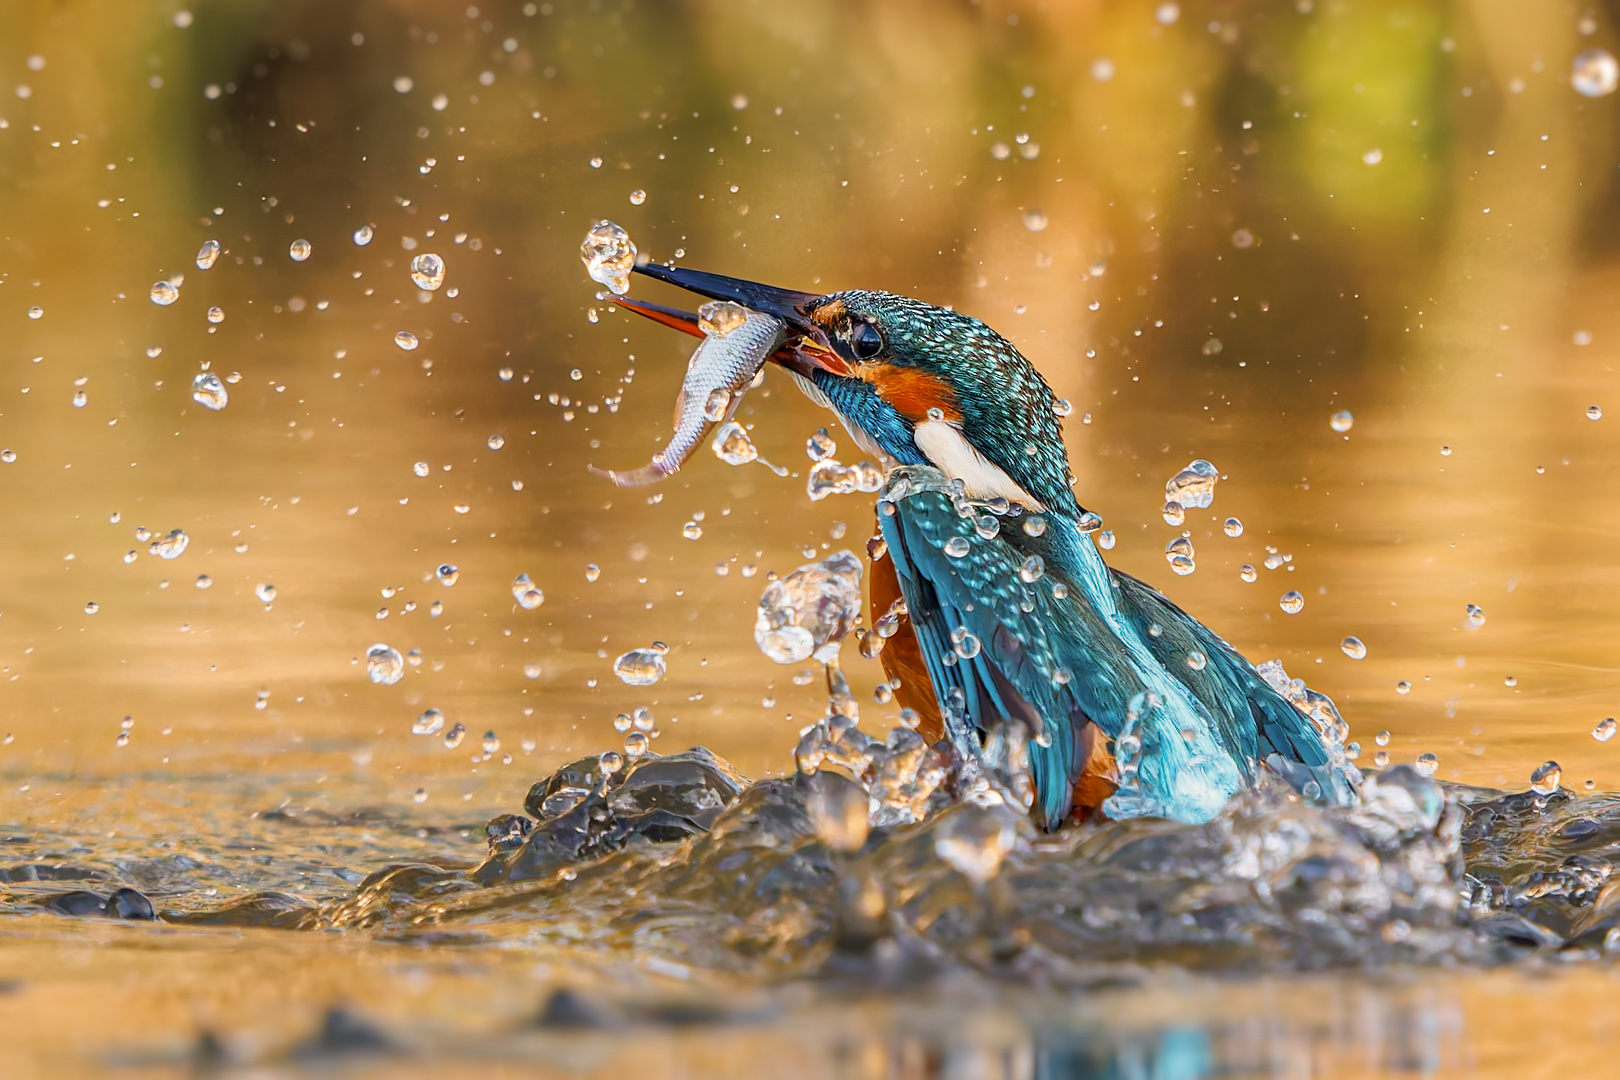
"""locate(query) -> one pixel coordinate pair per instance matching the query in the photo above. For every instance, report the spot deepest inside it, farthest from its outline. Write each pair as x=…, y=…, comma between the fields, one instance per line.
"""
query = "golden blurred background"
x=1212, y=226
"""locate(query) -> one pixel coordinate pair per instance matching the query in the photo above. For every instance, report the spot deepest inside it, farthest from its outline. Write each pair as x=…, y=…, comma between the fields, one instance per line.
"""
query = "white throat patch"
x=950, y=452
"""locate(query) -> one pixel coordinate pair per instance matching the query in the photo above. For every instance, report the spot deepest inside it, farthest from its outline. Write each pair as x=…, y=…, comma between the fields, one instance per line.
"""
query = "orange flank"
x=912, y=392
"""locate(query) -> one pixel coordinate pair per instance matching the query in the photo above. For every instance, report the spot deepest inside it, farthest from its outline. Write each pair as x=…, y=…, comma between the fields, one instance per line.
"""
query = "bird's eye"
x=865, y=341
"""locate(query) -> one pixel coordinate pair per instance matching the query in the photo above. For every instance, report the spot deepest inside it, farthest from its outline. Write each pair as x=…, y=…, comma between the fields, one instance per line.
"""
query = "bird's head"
x=921, y=383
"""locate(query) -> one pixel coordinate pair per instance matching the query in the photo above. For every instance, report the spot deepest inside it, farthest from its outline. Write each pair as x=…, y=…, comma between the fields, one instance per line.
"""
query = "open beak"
x=806, y=345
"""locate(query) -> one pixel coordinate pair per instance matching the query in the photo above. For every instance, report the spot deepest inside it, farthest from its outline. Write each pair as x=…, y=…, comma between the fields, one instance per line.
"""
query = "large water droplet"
x=1106, y=540
x=207, y=390
x=453, y=737
x=1594, y=73
x=1232, y=527
x=717, y=318
x=384, y=666
x=609, y=256
x=732, y=445
x=1354, y=648
x=526, y=594
x=640, y=667
x=1476, y=615
x=406, y=340
x=427, y=271
x=1192, y=487
x=1545, y=777
x=1426, y=764
x=208, y=254
x=957, y=546
x=429, y=723
x=265, y=592
x=1292, y=602
x=1341, y=421
x=164, y=294
x=447, y=574
x=170, y=546
x=1248, y=573
x=299, y=250
x=363, y=235
x=1605, y=730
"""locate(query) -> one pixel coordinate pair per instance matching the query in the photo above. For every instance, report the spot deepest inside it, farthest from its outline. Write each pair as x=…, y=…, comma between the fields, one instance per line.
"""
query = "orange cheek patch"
x=912, y=392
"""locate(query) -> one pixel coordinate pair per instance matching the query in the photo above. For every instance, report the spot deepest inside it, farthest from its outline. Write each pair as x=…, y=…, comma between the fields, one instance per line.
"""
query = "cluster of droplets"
x=830, y=477
x=609, y=255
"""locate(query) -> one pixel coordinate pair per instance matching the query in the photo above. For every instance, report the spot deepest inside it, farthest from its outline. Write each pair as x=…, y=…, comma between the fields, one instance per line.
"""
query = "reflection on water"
x=292, y=322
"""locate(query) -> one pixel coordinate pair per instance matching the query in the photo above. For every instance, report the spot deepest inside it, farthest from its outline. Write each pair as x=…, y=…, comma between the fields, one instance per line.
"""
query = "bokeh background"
x=1211, y=225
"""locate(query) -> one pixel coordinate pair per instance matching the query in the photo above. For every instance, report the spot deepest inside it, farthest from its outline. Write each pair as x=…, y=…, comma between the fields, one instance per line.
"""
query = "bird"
x=1005, y=609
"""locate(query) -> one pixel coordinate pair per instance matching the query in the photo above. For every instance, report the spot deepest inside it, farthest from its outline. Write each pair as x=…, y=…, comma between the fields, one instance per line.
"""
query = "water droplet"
x=299, y=250
x=1034, y=220
x=265, y=592
x=820, y=446
x=637, y=197
x=610, y=763
x=732, y=445
x=1232, y=527
x=427, y=271
x=956, y=546
x=810, y=611
x=363, y=235
x=170, y=546
x=1167, y=13
x=453, y=737
x=91, y=608
x=1032, y=569
x=207, y=390
x=592, y=571
x=1594, y=73
x=715, y=406
x=1605, y=730
x=975, y=843
x=123, y=739
x=1544, y=779
x=497, y=441
x=1427, y=764
x=216, y=315
x=1174, y=513
x=1212, y=347
x=80, y=399
x=1445, y=451
x=1106, y=540
x=1197, y=660
x=609, y=256
x=447, y=574
x=208, y=254
x=1248, y=573
x=429, y=723
x=164, y=294
x=1182, y=565
x=1354, y=648
x=525, y=593
x=1476, y=615
x=639, y=667
x=405, y=340
x=204, y=581
x=1403, y=687
x=1192, y=487
x=420, y=468
x=1034, y=525
x=436, y=609
x=1594, y=412
x=384, y=666
x=491, y=743
x=964, y=643
x=1341, y=421
x=1292, y=602
x=1061, y=407
x=1381, y=758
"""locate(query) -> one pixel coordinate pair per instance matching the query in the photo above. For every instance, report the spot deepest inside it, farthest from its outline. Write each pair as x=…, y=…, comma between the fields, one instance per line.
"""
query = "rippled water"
x=1360, y=258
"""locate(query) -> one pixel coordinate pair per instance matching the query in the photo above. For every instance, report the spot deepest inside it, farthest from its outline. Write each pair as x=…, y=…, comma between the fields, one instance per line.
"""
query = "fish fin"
x=650, y=473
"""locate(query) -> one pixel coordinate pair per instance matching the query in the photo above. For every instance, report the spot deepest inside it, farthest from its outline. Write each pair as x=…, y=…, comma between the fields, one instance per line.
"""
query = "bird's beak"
x=806, y=346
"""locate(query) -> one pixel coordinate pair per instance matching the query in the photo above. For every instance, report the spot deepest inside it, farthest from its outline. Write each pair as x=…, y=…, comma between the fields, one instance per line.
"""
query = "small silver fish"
x=735, y=346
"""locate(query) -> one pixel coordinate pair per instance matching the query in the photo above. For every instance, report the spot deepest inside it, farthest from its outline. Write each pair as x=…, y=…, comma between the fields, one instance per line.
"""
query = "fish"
x=735, y=346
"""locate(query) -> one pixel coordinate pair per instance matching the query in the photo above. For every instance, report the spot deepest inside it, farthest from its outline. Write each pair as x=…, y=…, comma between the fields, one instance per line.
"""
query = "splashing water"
x=609, y=255
x=1192, y=487
x=810, y=611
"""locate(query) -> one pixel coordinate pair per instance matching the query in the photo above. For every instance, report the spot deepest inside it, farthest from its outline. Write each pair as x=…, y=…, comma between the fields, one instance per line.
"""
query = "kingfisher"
x=1006, y=610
